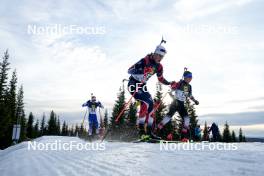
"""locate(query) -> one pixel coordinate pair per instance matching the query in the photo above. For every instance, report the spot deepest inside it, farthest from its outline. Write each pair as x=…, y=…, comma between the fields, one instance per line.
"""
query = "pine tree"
x=233, y=136
x=12, y=98
x=36, y=129
x=43, y=126
x=5, y=120
x=193, y=117
x=132, y=115
x=30, y=128
x=52, y=124
x=76, y=130
x=20, y=113
x=82, y=131
x=241, y=137
x=106, y=119
x=67, y=130
x=64, y=131
x=4, y=67
x=205, y=132
x=118, y=106
x=23, y=132
x=226, y=133
x=58, y=126
x=160, y=113
x=71, y=131
x=244, y=139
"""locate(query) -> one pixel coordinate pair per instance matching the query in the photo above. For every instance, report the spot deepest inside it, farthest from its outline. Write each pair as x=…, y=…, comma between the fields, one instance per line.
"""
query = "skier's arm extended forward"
x=192, y=98
x=161, y=78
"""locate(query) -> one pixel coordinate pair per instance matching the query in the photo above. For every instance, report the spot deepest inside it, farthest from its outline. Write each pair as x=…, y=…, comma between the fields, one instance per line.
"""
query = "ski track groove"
x=78, y=164
x=62, y=164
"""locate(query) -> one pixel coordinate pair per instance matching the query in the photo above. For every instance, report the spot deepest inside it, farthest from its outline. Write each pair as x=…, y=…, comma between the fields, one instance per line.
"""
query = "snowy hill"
x=119, y=158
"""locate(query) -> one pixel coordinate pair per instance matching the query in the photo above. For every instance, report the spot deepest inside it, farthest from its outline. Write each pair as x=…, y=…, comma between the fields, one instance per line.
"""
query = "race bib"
x=139, y=77
x=180, y=95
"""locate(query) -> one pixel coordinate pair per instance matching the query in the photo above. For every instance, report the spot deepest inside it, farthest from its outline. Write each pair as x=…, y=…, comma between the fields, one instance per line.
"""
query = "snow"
x=120, y=158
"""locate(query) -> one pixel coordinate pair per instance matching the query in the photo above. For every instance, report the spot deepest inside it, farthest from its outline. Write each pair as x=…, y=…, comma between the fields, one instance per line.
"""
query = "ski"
x=155, y=141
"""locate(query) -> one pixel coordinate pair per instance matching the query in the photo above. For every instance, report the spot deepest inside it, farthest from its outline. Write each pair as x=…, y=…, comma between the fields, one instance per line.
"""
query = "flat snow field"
x=120, y=158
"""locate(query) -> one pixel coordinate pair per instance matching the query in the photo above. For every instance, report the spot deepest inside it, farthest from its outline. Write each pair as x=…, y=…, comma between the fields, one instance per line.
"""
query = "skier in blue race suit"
x=92, y=105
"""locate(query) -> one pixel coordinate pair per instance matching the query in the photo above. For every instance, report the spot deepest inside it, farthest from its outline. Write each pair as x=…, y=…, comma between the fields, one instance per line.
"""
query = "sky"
x=65, y=50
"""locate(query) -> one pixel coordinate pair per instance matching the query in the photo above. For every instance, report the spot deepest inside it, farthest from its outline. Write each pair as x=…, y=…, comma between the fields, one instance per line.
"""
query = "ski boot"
x=142, y=135
x=151, y=134
x=184, y=135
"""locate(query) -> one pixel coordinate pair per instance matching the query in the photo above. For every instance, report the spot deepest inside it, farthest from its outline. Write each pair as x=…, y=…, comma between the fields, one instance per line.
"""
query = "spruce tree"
x=241, y=137
x=58, y=131
x=71, y=131
x=64, y=129
x=4, y=67
x=193, y=117
x=20, y=113
x=106, y=119
x=205, y=132
x=67, y=130
x=43, y=126
x=244, y=139
x=30, y=128
x=23, y=132
x=132, y=115
x=82, y=131
x=118, y=107
x=76, y=130
x=226, y=133
x=36, y=129
x=12, y=98
x=52, y=124
x=233, y=136
x=5, y=119
x=160, y=111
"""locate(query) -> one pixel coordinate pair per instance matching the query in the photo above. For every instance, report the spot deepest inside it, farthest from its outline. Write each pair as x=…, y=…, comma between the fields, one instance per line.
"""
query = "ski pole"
x=84, y=116
x=122, y=111
x=119, y=115
x=156, y=107
x=130, y=99
x=160, y=102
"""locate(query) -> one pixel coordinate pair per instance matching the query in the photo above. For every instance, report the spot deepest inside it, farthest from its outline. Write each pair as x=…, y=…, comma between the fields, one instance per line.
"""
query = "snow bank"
x=129, y=159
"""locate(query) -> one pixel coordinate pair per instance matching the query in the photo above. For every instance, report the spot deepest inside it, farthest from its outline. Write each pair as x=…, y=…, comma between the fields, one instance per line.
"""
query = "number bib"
x=180, y=95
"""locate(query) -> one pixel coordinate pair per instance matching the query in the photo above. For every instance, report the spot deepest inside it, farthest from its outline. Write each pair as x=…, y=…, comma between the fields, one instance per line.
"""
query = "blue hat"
x=187, y=74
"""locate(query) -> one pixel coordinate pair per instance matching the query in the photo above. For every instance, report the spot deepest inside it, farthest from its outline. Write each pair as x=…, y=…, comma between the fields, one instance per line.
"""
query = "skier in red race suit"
x=140, y=73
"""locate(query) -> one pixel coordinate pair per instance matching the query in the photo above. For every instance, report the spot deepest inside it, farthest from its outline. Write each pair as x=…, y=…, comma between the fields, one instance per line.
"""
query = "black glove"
x=196, y=102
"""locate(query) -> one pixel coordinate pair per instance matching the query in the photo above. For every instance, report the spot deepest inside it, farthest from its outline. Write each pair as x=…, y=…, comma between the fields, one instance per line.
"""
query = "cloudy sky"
x=65, y=50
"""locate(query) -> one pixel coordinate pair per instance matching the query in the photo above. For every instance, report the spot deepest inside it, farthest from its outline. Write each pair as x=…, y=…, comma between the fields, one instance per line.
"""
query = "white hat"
x=160, y=50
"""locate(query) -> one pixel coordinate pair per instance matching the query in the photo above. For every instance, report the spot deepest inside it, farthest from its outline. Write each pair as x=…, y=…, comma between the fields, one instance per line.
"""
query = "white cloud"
x=191, y=9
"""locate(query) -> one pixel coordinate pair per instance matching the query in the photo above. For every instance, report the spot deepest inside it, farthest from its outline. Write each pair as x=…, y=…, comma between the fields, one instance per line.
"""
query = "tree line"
x=12, y=111
x=125, y=128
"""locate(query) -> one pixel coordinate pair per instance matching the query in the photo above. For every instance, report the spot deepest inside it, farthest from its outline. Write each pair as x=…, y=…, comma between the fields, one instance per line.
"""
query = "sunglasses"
x=161, y=56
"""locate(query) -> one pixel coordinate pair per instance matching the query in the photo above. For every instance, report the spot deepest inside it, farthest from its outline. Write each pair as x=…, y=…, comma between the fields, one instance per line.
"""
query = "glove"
x=196, y=102
x=173, y=85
